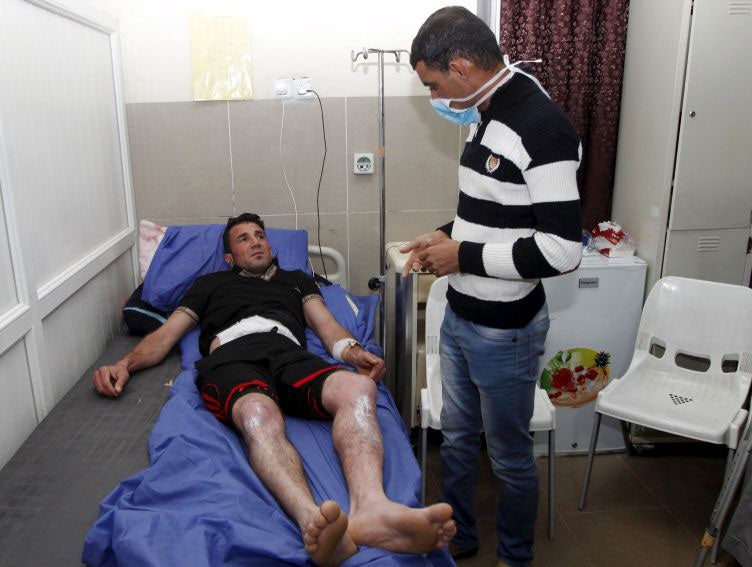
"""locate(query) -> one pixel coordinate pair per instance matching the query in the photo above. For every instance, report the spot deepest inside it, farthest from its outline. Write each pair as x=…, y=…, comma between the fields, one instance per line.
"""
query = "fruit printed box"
x=574, y=377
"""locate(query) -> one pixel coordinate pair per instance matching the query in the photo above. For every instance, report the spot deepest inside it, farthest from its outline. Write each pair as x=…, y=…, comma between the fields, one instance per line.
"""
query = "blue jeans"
x=489, y=378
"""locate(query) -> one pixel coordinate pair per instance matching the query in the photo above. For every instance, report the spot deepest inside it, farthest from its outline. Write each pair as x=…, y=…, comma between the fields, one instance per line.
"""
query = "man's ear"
x=229, y=260
x=462, y=67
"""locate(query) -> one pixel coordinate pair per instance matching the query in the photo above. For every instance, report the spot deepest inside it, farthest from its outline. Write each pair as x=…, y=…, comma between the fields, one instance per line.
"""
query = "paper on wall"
x=221, y=57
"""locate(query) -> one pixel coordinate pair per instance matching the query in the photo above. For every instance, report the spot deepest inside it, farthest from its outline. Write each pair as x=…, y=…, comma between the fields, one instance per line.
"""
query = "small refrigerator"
x=595, y=314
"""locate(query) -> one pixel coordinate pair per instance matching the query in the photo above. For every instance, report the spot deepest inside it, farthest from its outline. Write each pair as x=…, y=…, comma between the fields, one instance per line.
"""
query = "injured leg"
x=375, y=520
x=278, y=466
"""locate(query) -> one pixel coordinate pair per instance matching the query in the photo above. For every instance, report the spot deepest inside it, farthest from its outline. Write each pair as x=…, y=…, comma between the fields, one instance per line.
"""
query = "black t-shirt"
x=221, y=299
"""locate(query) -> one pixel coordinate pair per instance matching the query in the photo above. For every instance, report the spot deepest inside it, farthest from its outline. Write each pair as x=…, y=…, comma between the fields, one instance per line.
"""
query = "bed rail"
x=327, y=253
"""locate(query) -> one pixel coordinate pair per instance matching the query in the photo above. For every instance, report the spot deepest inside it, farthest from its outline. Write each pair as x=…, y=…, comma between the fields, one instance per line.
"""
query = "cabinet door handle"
x=692, y=114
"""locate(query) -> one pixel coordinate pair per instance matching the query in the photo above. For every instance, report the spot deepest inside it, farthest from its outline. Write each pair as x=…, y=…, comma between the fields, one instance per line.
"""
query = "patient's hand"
x=110, y=380
x=366, y=363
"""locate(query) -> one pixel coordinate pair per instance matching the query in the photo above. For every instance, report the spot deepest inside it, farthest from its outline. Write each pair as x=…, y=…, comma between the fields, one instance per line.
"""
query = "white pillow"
x=149, y=237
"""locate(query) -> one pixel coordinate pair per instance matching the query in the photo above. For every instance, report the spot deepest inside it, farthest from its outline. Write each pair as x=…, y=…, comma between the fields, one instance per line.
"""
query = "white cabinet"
x=683, y=182
x=595, y=314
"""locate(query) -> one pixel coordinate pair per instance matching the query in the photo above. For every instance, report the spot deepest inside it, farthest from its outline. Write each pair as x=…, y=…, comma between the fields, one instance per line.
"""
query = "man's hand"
x=419, y=244
x=440, y=259
x=110, y=380
x=365, y=362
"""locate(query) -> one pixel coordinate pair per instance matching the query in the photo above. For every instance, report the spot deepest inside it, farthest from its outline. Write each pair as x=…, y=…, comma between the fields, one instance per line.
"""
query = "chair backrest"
x=435, y=306
x=698, y=321
x=544, y=414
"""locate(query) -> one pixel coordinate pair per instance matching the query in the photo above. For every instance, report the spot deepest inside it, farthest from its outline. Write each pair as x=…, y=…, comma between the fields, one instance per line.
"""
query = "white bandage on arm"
x=339, y=347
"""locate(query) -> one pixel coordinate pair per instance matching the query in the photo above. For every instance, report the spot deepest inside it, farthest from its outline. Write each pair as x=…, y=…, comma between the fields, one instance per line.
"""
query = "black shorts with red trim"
x=267, y=363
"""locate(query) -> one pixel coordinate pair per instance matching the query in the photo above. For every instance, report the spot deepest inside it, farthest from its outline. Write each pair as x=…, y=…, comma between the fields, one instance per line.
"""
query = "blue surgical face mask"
x=457, y=116
x=466, y=116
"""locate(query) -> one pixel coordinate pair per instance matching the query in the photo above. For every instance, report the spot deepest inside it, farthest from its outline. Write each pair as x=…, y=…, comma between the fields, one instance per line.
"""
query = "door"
x=713, y=176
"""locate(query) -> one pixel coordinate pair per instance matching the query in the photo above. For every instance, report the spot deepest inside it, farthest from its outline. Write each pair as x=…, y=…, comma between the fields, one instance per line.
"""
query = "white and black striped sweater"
x=518, y=217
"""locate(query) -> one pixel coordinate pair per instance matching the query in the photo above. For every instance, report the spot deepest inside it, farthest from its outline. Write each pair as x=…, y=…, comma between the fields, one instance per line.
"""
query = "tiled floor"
x=642, y=511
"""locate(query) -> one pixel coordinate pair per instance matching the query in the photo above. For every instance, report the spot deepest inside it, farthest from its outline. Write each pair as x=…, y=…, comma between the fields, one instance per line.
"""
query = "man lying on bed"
x=252, y=322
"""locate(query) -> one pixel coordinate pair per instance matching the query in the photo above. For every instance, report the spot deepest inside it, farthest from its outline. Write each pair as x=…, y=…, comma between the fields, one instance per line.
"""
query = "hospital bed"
x=199, y=502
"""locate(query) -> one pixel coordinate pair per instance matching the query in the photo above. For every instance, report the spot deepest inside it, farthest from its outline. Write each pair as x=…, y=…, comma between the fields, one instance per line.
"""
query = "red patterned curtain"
x=581, y=43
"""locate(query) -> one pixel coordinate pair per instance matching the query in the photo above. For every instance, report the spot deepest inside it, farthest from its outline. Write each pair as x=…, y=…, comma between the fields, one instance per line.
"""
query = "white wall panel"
x=66, y=202
x=8, y=292
x=17, y=415
x=59, y=117
x=78, y=331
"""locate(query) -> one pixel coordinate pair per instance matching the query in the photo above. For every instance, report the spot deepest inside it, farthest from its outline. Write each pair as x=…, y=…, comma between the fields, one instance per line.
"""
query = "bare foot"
x=326, y=539
x=400, y=529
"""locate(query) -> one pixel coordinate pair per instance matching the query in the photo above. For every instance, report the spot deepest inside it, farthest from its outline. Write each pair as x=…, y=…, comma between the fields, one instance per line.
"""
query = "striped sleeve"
x=447, y=228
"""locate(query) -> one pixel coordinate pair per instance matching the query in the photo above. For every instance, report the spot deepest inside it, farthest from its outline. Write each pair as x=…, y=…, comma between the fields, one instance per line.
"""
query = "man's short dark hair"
x=240, y=219
x=454, y=32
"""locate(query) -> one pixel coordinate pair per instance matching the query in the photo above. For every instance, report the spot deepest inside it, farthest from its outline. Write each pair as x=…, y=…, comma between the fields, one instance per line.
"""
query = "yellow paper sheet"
x=221, y=57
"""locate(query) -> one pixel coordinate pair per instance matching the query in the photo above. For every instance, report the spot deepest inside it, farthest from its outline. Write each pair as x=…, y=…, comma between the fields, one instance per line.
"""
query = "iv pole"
x=378, y=282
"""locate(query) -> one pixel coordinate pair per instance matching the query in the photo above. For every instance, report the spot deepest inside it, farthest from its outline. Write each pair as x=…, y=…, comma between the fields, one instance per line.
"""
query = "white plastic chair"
x=544, y=414
x=700, y=324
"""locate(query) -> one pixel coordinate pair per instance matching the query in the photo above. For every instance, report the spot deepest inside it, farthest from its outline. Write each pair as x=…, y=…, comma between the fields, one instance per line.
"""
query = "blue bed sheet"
x=200, y=503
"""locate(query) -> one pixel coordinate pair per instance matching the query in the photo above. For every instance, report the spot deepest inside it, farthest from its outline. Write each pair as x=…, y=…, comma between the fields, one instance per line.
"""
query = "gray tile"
x=259, y=183
x=563, y=550
x=678, y=480
x=625, y=538
x=612, y=486
x=404, y=226
x=363, y=137
x=695, y=517
x=433, y=484
x=277, y=221
x=422, y=156
x=187, y=221
x=255, y=157
x=695, y=520
x=180, y=159
x=333, y=234
x=364, y=251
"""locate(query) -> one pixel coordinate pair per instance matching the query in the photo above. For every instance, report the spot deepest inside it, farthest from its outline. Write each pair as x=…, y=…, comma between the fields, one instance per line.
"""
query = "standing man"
x=518, y=220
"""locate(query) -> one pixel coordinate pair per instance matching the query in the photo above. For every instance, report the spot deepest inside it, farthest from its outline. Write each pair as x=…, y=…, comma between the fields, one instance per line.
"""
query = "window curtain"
x=581, y=43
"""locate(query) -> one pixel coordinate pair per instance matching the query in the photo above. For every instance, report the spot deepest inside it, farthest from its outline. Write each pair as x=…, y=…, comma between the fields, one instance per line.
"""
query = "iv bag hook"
x=366, y=50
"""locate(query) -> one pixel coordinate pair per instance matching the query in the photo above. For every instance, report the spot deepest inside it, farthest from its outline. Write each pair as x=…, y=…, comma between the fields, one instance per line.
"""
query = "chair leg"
x=591, y=454
x=423, y=467
x=551, y=483
x=717, y=543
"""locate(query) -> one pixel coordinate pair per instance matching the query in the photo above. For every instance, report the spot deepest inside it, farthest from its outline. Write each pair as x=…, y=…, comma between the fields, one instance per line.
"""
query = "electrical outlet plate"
x=362, y=164
x=302, y=86
x=283, y=88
